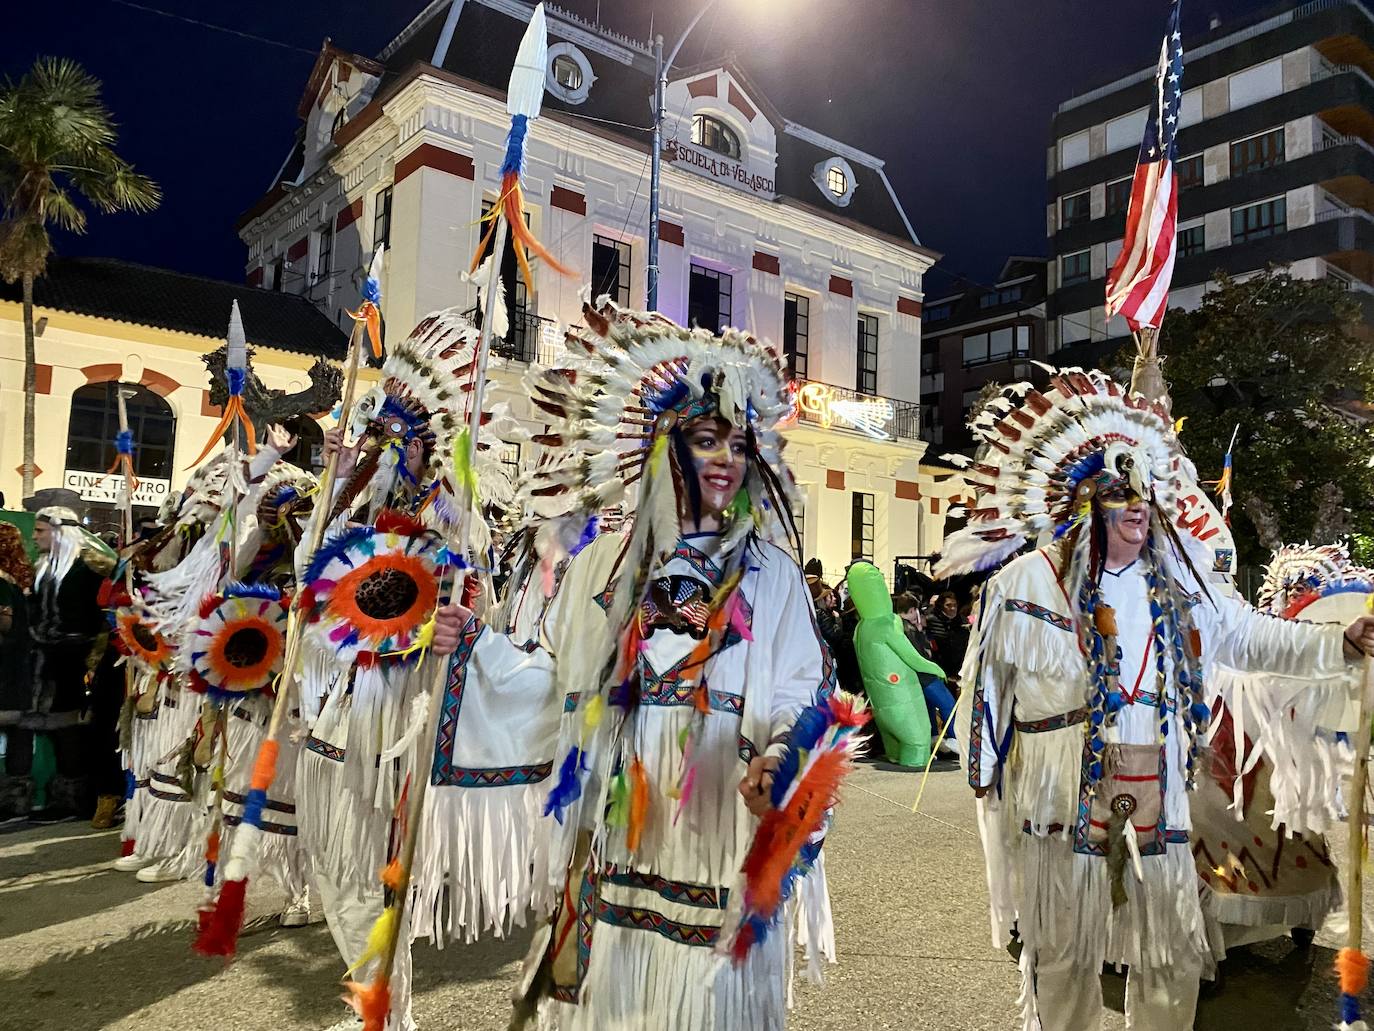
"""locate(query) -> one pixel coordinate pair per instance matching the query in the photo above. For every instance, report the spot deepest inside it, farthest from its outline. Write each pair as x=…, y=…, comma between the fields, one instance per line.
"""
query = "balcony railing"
x=530, y=338
x=839, y=408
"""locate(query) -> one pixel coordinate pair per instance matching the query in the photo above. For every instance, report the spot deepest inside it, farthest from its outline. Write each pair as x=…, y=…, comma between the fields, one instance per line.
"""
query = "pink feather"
x=737, y=620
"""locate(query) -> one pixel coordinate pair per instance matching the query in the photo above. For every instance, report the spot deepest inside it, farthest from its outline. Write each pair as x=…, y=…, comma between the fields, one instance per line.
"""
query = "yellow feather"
x=383, y=931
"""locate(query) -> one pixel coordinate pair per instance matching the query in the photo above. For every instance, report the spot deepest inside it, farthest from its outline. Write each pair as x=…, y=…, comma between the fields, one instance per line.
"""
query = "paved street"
x=83, y=947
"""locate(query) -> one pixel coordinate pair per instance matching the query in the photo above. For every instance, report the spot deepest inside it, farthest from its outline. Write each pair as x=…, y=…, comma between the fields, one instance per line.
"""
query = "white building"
x=765, y=224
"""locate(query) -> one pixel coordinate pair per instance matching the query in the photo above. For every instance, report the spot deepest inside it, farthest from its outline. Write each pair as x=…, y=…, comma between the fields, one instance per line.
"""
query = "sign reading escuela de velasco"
x=715, y=166
x=108, y=489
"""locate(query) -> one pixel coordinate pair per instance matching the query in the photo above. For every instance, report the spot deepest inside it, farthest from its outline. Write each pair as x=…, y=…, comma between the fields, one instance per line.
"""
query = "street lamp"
x=655, y=169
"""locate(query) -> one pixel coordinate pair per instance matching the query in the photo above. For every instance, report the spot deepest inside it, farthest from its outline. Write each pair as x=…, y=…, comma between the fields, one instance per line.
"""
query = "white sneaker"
x=132, y=862
x=947, y=749
x=162, y=870
x=297, y=912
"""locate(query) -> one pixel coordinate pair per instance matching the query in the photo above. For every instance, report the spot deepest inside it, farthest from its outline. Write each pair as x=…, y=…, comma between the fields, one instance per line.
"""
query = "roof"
x=483, y=47
x=144, y=296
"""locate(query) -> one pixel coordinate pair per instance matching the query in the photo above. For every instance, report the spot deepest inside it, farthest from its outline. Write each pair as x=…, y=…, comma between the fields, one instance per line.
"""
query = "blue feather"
x=588, y=536
x=569, y=786
x=334, y=548
x=515, y=145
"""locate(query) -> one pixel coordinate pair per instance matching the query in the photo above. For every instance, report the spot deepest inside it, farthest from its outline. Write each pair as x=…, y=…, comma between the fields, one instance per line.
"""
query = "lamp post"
x=661, y=68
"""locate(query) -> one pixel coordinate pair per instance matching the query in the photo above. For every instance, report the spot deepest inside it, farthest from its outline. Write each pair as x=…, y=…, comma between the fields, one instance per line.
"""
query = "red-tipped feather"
x=391, y=521
x=848, y=710
x=219, y=931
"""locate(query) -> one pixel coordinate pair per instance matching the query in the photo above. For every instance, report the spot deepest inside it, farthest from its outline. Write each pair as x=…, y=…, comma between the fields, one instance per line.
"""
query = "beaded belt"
x=1064, y=719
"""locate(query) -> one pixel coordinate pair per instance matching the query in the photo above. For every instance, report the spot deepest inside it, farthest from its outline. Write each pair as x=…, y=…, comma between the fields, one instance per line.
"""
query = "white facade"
x=436, y=142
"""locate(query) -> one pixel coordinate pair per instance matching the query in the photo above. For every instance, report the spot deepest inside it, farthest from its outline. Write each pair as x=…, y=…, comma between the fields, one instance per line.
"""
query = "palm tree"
x=56, y=144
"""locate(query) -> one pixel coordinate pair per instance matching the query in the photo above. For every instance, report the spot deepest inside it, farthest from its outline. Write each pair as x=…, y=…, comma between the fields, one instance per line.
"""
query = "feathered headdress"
x=632, y=379
x=426, y=381
x=1038, y=451
x=1304, y=572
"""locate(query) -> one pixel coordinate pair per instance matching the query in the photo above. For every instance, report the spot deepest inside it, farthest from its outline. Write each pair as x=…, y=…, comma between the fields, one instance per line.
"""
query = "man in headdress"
x=1089, y=703
x=68, y=630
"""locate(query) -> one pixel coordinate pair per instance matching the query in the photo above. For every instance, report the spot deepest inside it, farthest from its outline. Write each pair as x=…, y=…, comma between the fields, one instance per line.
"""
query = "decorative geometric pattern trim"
x=280, y=807
x=1064, y=719
x=704, y=896
x=747, y=748
x=325, y=749
x=671, y=693
x=1172, y=836
x=1081, y=844
x=268, y=826
x=702, y=564
x=1030, y=608
x=496, y=777
x=637, y=919
x=443, y=770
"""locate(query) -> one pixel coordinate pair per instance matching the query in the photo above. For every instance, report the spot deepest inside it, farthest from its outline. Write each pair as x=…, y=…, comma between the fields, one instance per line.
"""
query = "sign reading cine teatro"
x=719, y=167
x=108, y=489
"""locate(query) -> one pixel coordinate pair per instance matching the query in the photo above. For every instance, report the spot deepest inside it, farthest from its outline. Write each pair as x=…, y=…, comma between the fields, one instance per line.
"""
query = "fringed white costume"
x=1087, y=700
x=1278, y=757
x=667, y=661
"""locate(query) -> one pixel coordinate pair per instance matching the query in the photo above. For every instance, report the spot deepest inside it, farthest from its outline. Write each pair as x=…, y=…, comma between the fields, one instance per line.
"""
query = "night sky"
x=956, y=95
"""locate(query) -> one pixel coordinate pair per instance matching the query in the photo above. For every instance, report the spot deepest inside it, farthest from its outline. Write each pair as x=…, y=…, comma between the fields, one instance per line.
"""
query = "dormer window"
x=836, y=181
x=713, y=134
x=567, y=73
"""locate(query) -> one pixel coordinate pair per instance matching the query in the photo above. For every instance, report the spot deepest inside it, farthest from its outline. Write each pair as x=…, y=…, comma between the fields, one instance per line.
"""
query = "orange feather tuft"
x=1352, y=966
x=372, y=1002
x=265, y=765
x=639, y=804
x=392, y=874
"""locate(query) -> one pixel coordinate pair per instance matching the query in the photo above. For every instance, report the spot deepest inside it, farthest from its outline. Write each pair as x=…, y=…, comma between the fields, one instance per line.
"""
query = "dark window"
x=1259, y=220
x=867, y=340
x=1075, y=209
x=1188, y=172
x=1119, y=196
x=861, y=526
x=381, y=220
x=796, y=332
x=611, y=270
x=278, y=273
x=993, y=298
x=932, y=428
x=309, y=450
x=1075, y=268
x=713, y=134
x=1256, y=153
x=94, y=421
x=997, y=345
x=937, y=314
x=324, y=257
x=1191, y=241
x=708, y=298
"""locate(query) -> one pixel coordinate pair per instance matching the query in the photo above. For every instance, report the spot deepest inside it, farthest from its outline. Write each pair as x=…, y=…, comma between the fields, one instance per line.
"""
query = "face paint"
x=719, y=452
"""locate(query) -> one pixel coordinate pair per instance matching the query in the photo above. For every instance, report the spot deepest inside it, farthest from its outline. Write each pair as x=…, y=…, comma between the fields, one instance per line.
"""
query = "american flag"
x=1138, y=285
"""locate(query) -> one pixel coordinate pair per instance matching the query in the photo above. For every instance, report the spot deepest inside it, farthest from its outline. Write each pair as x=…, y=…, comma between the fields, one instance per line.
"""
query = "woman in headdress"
x=674, y=660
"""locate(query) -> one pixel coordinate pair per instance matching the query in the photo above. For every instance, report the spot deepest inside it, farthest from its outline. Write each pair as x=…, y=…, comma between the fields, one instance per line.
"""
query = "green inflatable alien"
x=889, y=665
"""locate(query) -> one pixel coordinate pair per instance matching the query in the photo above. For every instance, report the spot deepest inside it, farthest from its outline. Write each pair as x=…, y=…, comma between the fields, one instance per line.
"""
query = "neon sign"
x=819, y=402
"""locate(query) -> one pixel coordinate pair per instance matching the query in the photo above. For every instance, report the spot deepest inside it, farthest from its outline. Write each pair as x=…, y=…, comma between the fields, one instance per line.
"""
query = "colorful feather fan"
x=236, y=376
x=820, y=754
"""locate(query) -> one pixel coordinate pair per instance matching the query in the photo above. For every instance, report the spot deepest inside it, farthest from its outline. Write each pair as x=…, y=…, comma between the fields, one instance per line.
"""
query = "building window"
x=867, y=381
x=861, y=527
x=1257, y=221
x=1073, y=150
x=997, y=345
x=932, y=377
x=969, y=399
x=1075, y=268
x=1257, y=152
x=611, y=269
x=713, y=134
x=94, y=421
x=521, y=339
x=381, y=220
x=932, y=429
x=938, y=313
x=1192, y=240
x=836, y=181
x=1188, y=172
x=1119, y=196
x=709, y=298
x=324, y=254
x=567, y=73
x=993, y=298
x=278, y=273
x=1075, y=209
x=796, y=333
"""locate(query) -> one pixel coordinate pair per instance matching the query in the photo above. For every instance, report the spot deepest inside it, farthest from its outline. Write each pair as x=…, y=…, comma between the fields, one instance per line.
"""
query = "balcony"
x=871, y=415
x=530, y=339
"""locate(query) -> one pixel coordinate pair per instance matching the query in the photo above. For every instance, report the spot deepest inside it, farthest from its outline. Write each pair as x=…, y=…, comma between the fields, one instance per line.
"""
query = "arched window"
x=94, y=422
x=308, y=454
x=713, y=134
